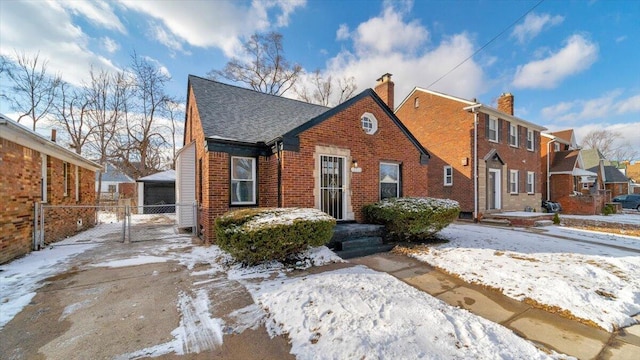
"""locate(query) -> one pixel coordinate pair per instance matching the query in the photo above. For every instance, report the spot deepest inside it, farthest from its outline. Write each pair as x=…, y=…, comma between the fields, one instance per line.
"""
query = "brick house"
x=36, y=169
x=485, y=158
x=257, y=150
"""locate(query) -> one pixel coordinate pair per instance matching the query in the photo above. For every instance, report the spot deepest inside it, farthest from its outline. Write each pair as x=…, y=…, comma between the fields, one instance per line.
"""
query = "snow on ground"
x=596, y=282
x=358, y=313
x=627, y=217
x=20, y=278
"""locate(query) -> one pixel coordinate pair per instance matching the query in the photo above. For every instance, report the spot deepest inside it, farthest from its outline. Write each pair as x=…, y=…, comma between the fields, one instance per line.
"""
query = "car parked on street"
x=630, y=201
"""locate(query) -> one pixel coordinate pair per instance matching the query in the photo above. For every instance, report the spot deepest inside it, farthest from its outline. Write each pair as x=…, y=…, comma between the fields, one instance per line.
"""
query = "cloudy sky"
x=570, y=64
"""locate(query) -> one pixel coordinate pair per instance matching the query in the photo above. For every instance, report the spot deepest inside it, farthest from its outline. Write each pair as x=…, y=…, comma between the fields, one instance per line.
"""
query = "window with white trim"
x=513, y=181
x=416, y=102
x=44, y=179
x=531, y=182
x=513, y=134
x=389, y=180
x=369, y=123
x=243, y=180
x=493, y=129
x=448, y=175
x=530, y=141
x=556, y=147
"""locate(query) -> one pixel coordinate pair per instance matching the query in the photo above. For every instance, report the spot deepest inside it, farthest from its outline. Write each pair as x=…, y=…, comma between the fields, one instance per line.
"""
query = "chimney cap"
x=506, y=94
x=384, y=78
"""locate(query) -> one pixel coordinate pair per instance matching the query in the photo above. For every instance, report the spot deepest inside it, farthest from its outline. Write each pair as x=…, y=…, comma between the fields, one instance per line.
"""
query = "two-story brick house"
x=243, y=148
x=34, y=169
x=485, y=158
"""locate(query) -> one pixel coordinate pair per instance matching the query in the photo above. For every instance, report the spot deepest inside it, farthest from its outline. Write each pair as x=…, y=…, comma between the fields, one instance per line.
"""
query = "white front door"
x=493, y=189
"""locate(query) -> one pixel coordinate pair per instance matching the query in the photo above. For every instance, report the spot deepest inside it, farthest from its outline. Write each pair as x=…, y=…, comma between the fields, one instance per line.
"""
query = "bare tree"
x=173, y=110
x=32, y=91
x=141, y=148
x=107, y=95
x=265, y=68
x=327, y=91
x=611, y=144
x=72, y=111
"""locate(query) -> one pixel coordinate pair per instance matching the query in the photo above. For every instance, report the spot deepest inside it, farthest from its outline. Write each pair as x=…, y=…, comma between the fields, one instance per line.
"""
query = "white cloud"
x=622, y=38
x=577, y=55
x=97, y=12
x=50, y=32
x=629, y=131
x=109, y=44
x=221, y=24
x=603, y=107
x=343, y=32
x=389, y=33
x=167, y=39
x=533, y=24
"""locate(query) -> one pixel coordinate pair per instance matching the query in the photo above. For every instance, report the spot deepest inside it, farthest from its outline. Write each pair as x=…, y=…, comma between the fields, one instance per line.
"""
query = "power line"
x=487, y=44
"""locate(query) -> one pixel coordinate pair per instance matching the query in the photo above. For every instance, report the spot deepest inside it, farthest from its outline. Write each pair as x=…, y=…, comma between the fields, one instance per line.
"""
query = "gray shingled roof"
x=612, y=174
x=233, y=113
x=163, y=176
x=114, y=174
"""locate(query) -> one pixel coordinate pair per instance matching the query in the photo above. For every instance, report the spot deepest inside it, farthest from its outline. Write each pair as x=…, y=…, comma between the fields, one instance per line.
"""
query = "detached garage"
x=157, y=189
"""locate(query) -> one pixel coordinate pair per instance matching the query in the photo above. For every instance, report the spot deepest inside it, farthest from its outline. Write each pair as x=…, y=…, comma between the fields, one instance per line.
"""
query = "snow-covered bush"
x=413, y=219
x=254, y=236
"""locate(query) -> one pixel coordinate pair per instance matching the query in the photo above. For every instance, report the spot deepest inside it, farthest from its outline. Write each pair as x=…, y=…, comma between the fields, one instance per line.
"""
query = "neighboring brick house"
x=468, y=140
x=35, y=169
x=259, y=150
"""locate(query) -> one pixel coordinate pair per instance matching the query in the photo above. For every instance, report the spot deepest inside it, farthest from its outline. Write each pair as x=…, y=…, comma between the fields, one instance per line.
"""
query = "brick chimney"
x=505, y=103
x=385, y=89
x=53, y=135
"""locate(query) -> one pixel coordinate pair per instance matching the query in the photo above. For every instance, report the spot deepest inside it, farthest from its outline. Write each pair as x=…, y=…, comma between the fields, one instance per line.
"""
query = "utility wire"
x=487, y=44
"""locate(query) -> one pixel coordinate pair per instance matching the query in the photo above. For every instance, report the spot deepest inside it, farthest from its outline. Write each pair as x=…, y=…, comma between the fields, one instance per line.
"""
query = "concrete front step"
x=348, y=231
x=361, y=242
x=364, y=251
x=541, y=223
x=496, y=222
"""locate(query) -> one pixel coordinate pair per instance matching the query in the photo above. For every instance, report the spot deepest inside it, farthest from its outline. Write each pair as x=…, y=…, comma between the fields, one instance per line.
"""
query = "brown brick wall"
x=342, y=132
x=21, y=190
x=447, y=131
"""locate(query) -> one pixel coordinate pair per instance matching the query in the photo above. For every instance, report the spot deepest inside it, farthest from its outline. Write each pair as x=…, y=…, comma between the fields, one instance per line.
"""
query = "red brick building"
x=259, y=150
x=485, y=158
x=34, y=169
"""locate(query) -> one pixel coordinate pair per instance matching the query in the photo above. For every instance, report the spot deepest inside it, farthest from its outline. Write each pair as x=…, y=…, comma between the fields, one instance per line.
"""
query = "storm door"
x=332, y=185
x=493, y=189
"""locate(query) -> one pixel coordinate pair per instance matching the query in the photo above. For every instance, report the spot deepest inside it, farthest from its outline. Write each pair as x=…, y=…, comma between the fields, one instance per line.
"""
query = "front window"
x=448, y=176
x=530, y=141
x=513, y=135
x=513, y=181
x=389, y=180
x=531, y=178
x=243, y=181
x=493, y=129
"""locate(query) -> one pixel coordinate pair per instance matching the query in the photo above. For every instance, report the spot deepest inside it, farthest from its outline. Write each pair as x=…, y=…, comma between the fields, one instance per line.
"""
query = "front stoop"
x=357, y=240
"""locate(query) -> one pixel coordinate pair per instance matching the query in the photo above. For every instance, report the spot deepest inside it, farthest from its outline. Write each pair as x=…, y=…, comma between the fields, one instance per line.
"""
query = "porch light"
x=354, y=163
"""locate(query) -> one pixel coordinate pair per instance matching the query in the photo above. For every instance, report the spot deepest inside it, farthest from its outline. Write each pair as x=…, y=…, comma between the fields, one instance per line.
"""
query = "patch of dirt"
x=562, y=312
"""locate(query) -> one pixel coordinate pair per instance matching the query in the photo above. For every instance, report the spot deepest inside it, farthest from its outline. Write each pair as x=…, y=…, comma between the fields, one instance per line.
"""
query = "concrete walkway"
x=548, y=330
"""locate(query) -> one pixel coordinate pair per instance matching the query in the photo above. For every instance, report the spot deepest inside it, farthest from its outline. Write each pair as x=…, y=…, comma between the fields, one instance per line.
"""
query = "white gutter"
x=473, y=108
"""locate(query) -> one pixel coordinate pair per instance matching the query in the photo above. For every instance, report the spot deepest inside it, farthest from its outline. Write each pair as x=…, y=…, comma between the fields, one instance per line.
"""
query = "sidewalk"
x=547, y=329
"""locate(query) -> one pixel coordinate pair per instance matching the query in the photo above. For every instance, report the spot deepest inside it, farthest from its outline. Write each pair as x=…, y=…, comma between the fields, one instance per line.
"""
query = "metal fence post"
x=36, y=234
x=42, y=227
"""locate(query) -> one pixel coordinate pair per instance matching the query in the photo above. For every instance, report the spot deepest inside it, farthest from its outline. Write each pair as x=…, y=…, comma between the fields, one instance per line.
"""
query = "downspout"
x=548, y=168
x=475, y=165
x=279, y=157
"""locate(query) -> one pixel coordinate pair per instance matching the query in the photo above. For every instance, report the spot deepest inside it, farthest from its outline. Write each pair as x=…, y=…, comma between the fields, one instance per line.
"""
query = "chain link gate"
x=111, y=223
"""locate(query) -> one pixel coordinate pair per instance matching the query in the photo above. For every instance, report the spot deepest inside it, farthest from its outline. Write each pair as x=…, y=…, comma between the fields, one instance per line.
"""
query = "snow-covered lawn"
x=353, y=312
x=595, y=276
